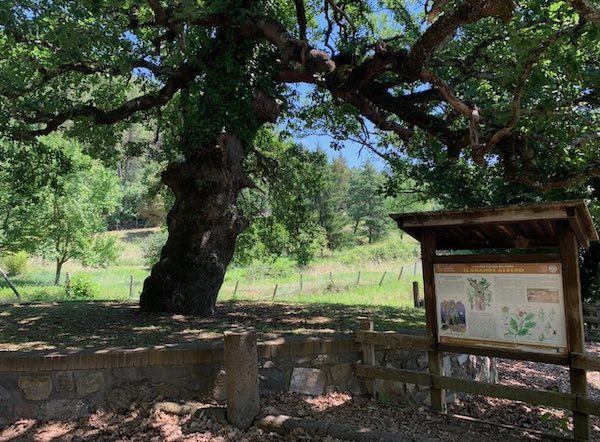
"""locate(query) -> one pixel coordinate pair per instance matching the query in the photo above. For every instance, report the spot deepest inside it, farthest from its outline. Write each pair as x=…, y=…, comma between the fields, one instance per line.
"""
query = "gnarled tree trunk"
x=203, y=226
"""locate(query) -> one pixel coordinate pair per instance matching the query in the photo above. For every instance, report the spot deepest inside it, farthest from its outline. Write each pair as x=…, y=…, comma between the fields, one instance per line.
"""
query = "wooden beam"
x=505, y=353
x=393, y=374
x=532, y=396
x=473, y=217
x=585, y=362
x=447, y=244
x=395, y=340
x=587, y=405
x=529, y=395
x=577, y=227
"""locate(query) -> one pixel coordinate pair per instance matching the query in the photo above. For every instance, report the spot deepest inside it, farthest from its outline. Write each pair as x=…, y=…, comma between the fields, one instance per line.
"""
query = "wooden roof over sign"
x=526, y=226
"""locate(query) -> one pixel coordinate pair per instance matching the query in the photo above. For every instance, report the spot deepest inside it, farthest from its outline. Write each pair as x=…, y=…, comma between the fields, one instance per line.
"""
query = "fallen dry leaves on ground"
x=141, y=422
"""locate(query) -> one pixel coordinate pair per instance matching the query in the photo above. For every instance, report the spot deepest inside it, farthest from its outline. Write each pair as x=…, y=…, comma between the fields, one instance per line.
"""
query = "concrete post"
x=241, y=366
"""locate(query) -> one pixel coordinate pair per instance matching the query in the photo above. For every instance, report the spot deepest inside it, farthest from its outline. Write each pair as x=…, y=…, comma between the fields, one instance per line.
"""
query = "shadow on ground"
x=75, y=326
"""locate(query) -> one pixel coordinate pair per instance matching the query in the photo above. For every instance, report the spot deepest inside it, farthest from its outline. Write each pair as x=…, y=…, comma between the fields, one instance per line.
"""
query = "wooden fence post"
x=275, y=290
x=237, y=282
x=400, y=274
x=368, y=352
x=301, y=282
x=241, y=385
x=358, y=278
x=569, y=255
x=416, y=297
x=381, y=280
x=131, y=286
x=415, y=269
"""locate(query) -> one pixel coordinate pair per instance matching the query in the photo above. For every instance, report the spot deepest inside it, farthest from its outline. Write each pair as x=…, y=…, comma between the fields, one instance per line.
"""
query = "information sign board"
x=508, y=305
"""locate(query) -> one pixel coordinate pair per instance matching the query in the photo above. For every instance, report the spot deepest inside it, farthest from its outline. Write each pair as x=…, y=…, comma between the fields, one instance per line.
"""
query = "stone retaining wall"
x=70, y=385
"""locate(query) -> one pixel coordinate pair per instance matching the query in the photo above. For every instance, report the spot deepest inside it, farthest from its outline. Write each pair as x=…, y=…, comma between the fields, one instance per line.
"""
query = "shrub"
x=152, y=246
x=280, y=268
x=384, y=251
x=15, y=263
x=81, y=287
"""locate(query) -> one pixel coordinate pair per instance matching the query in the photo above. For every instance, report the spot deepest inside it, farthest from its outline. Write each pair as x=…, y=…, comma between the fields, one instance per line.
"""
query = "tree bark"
x=203, y=226
x=59, y=264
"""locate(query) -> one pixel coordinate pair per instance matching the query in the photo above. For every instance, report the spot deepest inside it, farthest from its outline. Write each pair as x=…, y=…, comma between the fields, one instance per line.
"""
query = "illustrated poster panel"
x=514, y=305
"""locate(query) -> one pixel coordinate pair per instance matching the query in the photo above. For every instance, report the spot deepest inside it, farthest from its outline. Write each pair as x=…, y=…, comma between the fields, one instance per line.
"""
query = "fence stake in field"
x=275, y=290
x=400, y=274
x=358, y=279
x=131, y=286
x=331, y=277
x=301, y=282
x=416, y=296
x=382, y=278
x=415, y=269
x=237, y=283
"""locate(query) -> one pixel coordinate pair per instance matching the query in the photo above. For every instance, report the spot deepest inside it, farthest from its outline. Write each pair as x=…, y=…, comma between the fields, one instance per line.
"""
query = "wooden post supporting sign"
x=569, y=254
x=437, y=395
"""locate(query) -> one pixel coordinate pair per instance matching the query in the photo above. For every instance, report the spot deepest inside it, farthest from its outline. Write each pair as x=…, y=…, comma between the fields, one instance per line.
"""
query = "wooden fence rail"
x=369, y=339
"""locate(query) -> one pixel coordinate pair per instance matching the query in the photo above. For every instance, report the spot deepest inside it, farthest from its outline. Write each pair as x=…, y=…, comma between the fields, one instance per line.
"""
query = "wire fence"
x=400, y=278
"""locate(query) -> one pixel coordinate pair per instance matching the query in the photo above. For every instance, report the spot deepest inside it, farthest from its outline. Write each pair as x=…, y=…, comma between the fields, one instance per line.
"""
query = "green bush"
x=152, y=247
x=15, y=263
x=380, y=252
x=281, y=268
x=81, y=287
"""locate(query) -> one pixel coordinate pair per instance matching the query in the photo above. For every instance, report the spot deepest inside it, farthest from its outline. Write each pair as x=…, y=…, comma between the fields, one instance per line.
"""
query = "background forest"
x=96, y=218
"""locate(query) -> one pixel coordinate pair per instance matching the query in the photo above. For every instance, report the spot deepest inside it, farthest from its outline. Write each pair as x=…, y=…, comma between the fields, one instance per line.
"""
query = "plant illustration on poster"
x=518, y=323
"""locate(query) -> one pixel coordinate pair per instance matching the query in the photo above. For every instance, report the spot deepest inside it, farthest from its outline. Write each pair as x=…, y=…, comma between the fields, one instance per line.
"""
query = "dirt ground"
x=105, y=325
x=142, y=422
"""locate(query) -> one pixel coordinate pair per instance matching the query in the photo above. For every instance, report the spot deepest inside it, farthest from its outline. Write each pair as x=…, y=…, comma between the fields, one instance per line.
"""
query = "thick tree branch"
x=301, y=17
x=85, y=69
x=181, y=78
x=385, y=101
x=440, y=32
x=447, y=93
x=588, y=10
x=375, y=116
x=161, y=16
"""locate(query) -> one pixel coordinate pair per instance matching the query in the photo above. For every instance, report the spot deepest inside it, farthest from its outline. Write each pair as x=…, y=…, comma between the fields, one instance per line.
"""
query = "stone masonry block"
x=35, y=388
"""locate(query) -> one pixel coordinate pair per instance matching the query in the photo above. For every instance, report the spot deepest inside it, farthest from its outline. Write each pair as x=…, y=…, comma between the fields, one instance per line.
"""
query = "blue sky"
x=352, y=152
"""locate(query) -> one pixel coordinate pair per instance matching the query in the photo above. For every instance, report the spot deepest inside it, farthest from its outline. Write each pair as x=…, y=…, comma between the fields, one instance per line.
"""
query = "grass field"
x=358, y=276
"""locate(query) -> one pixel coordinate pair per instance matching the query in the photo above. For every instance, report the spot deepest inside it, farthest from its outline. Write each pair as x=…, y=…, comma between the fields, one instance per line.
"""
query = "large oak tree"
x=495, y=83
